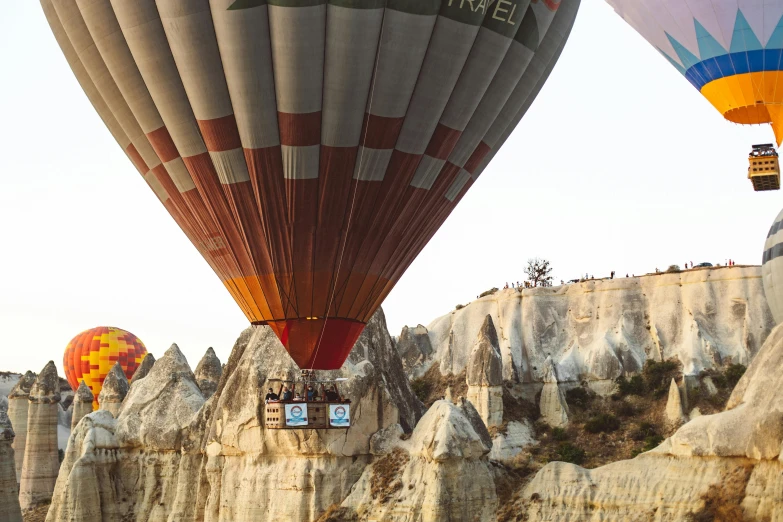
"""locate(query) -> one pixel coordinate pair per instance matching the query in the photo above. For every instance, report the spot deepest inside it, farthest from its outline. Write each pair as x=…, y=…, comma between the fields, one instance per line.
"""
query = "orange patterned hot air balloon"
x=91, y=354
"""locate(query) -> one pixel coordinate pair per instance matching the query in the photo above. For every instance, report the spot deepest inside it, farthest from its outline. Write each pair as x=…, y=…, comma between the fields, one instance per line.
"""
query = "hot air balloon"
x=731, y=51
x=310, y=148
x=91, y=354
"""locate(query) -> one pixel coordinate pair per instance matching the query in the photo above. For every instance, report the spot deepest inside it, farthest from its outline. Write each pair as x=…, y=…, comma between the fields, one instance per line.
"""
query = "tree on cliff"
x=538, y=272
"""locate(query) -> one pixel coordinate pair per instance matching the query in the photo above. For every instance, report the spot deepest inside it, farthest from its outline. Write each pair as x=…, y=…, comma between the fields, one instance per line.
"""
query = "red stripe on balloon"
x=220, y=134
x=299, y=130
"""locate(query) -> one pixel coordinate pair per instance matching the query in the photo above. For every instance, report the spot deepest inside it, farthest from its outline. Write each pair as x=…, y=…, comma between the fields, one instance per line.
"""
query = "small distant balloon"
x=91, y=354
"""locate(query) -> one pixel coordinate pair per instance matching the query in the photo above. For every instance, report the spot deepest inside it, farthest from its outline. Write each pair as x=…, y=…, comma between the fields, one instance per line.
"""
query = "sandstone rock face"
x=600, y=329
x=730, y=455
x=41, y=462
x=18, y=407
x=8, y=380
x=675, y=416
x=518, y=436
x=9, y=498
x=169, y=455
x=485, y=375
x=144, y=368
x=208, y=373
x=440, y=474
x=414, y=347
x=553, y=405
x=114, y=390
x=82, y=404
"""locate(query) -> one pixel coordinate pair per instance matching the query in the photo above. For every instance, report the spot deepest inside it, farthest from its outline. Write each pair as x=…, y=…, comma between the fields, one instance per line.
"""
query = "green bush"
x=578, y=397
x=559, y=434
x=643, y=431
x=673, y=269
x=623, y=409
x=421, y=388
x=733, y=374
x=567, y=452
x=658, y=375
x=652, y=442
x=488, y=292
x=603, y=423
x=632, y=386
x=720, y=381
x=460, y=307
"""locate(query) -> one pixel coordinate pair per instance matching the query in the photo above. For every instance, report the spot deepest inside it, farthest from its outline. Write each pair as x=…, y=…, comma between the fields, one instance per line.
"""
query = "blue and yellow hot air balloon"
x=732, y=52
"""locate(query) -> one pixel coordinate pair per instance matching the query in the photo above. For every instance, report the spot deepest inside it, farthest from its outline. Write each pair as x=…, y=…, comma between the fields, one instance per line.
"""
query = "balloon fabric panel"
x=307, y=148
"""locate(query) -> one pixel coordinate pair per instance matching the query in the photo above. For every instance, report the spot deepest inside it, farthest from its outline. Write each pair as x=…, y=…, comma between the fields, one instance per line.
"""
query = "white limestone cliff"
x=82, y=404
x=18, y=407
x=597, y=330
x=114, y=390
x=169, y=455
x=484, y=375
x=674, y=413
x=208, y=373
x=41, y=461
x=144, y=368
x=9, y=497
x=730, y=459
x=553, y=405
x=441, y=474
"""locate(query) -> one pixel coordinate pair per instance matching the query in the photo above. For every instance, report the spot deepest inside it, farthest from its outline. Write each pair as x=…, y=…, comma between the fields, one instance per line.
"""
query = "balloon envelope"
x=91, y=355
x=729, y=50
x=310, y=149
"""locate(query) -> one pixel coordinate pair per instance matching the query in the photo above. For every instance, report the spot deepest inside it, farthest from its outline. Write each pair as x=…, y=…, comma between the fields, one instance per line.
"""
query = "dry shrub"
x=37, y=514
x=335, y=513
x=385, y=479
x=722, y=501
x=432, y=386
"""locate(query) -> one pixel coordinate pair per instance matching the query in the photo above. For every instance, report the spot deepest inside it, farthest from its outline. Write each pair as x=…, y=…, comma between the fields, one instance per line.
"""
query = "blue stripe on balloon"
x=706, y=71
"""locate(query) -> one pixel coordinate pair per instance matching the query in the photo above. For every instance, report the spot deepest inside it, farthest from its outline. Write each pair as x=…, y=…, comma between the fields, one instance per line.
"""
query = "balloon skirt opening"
x=318, y=344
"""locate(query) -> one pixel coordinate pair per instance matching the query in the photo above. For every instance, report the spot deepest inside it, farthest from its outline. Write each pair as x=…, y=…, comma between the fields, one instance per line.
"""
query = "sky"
x=620, y=164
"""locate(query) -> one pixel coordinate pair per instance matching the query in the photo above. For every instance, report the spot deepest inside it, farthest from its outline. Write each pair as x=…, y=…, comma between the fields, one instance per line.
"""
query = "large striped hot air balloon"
x=91, y=354
x=730, y=50
x=311, y=148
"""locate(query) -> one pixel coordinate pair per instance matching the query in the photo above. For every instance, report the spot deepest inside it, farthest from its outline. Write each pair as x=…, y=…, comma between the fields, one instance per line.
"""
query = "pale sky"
x=620, y=164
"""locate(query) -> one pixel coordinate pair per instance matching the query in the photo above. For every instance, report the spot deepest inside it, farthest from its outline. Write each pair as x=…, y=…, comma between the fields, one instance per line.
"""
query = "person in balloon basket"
x=332, y=395
x=312, y=395
x=271, y=396
x=288, y=395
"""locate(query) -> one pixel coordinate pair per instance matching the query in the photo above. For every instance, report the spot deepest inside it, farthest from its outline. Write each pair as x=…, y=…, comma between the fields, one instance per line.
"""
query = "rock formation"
x=414, y=347
x=510, y=443
x=485, y=375
x=208, y=373
x=41, y=461
x=440, y=474
x=9, y=497
x=7, y=382
x=18, y=407
x=553, y=406
x=730, y=460
x=169, y=455
x=596, y=330
x=143, y=369
x=675, y=416
x=114, y=390
x=82, y=404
